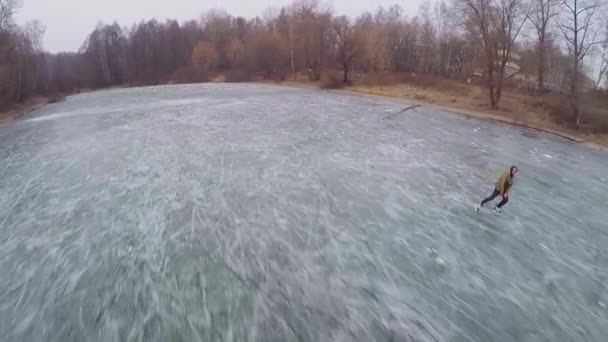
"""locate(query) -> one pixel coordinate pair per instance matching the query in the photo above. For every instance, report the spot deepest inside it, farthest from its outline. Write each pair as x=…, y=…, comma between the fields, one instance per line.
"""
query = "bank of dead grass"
x=537, y=111
x=17, y=110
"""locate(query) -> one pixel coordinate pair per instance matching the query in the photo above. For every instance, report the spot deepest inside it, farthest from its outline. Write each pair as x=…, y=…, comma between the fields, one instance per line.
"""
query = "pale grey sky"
x=68, y=22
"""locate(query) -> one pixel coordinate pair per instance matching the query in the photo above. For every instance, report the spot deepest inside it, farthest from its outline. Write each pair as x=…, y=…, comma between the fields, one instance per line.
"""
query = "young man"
x=502, y=187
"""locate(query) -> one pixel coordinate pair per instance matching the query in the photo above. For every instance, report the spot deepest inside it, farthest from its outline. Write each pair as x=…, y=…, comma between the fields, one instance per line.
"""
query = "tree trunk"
x=308, y=64
x=491, y=80
x=345, y=64
x=501, y=77
x=492, y=98
x=541, y=65
x=321, y=57
x=498, y=95
x=19, y=82
x=293, y=66
x=574, y=94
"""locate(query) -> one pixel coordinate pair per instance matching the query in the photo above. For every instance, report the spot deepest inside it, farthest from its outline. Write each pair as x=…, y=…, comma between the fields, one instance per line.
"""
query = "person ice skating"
x=502, y=187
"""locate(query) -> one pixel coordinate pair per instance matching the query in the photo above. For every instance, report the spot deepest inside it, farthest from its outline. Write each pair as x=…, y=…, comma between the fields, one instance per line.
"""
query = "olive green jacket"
x=504, y=182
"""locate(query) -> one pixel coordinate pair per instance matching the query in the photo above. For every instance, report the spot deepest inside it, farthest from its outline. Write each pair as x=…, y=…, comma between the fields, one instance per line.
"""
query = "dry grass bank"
x=516, y=107
x=20, y=109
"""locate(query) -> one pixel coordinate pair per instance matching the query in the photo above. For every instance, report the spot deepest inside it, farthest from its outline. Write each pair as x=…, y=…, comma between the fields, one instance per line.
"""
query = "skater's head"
x=513, y=170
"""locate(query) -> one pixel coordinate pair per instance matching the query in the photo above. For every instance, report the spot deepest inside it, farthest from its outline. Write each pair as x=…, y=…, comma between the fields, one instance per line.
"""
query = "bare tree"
x=269, y=53
x=580, y=32
x=323, y=34
x=348, y=43
x=602, y=77
x=541, y=14
x=497, y=23
x=7, y=9
x=291, y=59
x=219, y=28
x=309, y=28
x=35, y=31
x=286, y=26
x=236, y=53
x=428, y=40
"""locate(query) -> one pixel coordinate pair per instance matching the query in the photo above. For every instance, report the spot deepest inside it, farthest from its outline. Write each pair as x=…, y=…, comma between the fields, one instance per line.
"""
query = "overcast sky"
x=68, y=22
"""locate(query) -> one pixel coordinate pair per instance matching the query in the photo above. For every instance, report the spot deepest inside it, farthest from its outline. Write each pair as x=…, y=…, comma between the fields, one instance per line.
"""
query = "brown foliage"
x=237, y=75
x=593, y=111
x=269, y=54
x=332, y=80
x=204, y=56
x=419, y=80
x=236, y=53
x=190, y=75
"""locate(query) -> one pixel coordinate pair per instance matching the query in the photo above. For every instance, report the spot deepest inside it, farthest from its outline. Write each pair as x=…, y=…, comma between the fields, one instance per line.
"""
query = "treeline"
x=452, y=39
x=20, y=57
x=304, y=38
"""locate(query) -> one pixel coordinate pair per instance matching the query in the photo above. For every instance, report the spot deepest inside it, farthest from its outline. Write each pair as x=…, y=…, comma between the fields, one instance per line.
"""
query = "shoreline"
x=480, y=115
x=578, y=138
x=36, y=103
x=19, y=110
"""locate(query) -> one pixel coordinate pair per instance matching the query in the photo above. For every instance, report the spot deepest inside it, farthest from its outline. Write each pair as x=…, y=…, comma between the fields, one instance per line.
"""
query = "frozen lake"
x=262, y=213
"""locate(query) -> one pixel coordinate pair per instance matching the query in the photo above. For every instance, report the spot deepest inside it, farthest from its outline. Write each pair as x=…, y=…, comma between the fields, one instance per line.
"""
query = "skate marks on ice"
x=180, y=213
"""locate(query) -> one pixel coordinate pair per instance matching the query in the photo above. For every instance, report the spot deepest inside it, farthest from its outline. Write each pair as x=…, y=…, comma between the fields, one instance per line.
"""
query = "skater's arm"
x=505, y=188
x=502, y=184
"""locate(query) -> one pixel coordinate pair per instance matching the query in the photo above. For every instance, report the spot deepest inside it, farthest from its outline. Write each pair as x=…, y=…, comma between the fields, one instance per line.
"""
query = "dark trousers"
x=493, y=196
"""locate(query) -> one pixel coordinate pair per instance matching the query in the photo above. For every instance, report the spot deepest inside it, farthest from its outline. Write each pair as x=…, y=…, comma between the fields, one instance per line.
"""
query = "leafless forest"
x=545, y=46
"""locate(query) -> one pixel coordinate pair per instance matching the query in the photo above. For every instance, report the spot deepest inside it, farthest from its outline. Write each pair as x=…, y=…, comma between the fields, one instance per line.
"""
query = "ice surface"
x=261, y=213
